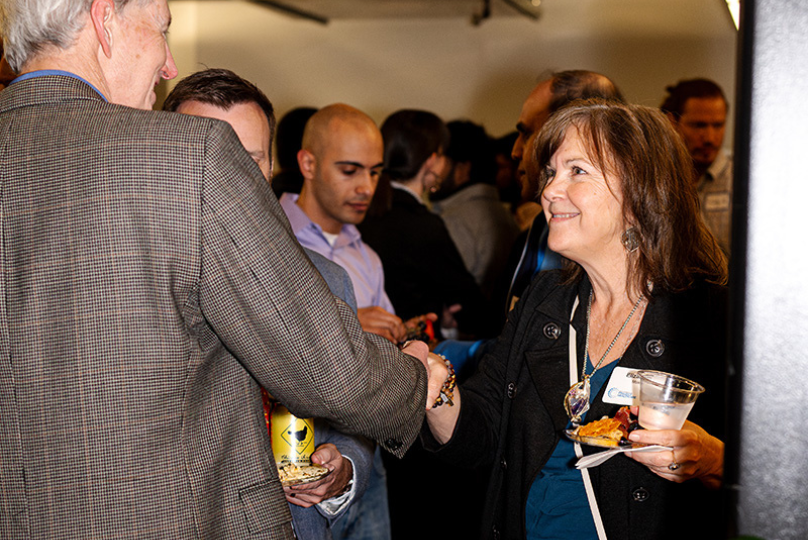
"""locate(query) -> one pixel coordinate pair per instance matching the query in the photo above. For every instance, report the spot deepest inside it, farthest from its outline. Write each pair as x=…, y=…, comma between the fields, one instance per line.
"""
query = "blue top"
x=547, y=259
x=557, y=507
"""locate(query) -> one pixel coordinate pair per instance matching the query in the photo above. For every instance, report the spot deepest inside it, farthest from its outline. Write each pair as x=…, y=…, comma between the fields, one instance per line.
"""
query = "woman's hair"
x=410, y=137
x=638, y=148
x=29, y=25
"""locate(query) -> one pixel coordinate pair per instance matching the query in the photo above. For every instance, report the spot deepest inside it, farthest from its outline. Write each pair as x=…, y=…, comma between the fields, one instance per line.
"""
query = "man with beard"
x=697, y=108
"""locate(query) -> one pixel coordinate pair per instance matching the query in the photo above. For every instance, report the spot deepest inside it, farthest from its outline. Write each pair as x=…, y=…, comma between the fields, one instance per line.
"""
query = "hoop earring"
x=630, y=239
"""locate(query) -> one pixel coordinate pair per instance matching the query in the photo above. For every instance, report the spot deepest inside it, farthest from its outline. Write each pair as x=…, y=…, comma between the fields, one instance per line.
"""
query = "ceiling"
x=651, y=16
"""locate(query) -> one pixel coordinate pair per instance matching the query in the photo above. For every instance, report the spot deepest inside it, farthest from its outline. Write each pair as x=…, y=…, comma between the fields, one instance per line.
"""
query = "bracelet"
x=447, y=390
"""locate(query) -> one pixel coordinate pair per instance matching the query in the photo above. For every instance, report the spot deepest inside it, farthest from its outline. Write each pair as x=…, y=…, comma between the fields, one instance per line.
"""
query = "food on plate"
x=610, y=431
x=291, y=473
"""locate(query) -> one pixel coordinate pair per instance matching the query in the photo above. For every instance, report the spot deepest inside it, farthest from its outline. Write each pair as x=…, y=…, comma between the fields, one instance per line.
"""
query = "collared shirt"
x=46, y=72
x=715, y=196
x=349, y=251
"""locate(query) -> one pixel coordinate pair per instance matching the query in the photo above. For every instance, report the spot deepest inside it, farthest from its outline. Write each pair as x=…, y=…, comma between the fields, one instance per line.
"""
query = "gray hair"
x=28, y=26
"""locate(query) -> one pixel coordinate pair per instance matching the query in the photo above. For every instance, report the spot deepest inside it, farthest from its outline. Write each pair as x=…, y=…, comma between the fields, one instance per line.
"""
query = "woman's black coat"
x=512, y=412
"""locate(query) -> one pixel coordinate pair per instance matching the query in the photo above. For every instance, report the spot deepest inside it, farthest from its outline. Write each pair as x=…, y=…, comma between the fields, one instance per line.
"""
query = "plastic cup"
x=665, y=399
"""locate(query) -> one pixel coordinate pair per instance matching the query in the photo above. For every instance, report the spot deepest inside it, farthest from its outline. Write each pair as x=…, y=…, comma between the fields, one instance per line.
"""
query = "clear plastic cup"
x=665, y=399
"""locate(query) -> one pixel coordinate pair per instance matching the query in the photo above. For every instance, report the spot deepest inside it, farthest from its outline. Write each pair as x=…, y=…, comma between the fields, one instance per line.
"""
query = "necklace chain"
x=576, y=400
x=584, y=376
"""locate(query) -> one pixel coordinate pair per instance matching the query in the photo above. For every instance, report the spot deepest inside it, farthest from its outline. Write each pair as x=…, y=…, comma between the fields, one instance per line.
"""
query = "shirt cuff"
x=333, y=506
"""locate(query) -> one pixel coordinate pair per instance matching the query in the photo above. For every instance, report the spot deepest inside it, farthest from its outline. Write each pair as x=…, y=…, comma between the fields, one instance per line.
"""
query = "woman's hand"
x=436, y=370
x=695, y=454
x=442, y=420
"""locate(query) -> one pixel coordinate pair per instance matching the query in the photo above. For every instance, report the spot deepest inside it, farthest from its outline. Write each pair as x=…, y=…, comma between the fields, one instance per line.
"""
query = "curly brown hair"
x=637, y=147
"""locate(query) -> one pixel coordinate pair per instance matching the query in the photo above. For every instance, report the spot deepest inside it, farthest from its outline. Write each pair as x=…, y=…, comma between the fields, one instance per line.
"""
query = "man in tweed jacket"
x=150, y=283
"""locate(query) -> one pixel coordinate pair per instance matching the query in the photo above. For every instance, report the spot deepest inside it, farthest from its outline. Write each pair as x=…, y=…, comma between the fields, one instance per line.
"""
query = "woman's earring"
x=630, y=239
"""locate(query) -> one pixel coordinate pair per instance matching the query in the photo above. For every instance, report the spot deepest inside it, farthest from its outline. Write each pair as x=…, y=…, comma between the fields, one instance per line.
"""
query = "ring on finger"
x=673, y=464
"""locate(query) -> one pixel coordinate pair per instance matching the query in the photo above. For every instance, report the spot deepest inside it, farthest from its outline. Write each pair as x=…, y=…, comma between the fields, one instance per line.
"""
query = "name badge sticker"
x=716, y=201
x=621, y=388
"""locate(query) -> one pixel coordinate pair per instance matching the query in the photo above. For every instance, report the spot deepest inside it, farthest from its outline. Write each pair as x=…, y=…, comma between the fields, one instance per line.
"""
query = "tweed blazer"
x=151, y=283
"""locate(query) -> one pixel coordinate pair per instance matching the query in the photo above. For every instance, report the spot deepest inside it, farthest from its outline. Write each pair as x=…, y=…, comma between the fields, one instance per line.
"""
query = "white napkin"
x=593, y=460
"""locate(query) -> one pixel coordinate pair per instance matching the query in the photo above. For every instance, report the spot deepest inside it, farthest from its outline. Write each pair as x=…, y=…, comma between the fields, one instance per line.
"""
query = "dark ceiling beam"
x=522, y=9
x=289, y=10
x=485, y=13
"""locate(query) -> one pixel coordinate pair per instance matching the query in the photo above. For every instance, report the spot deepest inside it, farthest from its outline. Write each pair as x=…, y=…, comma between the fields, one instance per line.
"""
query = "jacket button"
x=655, y=348
x=503, y=464
x=393, y=444
x=511, y=389
x=496, y=532
x=552, y=331
x=640, y=494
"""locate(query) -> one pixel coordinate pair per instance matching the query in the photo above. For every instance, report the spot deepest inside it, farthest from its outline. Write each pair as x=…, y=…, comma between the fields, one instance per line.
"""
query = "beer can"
x=292, y=438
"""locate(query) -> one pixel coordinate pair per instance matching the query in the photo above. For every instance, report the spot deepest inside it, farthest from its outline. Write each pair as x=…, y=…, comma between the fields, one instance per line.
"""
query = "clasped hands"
x=436, y=369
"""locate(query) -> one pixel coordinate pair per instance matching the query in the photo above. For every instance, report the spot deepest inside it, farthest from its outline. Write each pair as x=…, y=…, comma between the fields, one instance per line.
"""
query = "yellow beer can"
x=292, y=437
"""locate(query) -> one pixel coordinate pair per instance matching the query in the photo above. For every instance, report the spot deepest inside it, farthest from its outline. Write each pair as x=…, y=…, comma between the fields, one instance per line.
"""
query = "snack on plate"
x=292, y=474
x=610, y=428
x=610, y=431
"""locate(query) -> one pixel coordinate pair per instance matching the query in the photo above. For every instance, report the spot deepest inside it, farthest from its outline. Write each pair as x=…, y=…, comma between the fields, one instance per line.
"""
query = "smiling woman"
x=642, y=289
x=583, y=210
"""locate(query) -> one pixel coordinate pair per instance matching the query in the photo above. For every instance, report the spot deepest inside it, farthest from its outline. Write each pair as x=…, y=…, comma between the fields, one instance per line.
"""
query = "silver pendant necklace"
x=576, y=400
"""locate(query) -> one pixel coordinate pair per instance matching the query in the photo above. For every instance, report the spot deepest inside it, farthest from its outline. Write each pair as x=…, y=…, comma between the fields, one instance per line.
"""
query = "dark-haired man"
x=546, y=98
x=698, y=108
x=221, y=94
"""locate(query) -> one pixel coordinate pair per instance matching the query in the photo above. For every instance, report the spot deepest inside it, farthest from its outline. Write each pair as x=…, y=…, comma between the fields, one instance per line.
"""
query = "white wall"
x=451, y=67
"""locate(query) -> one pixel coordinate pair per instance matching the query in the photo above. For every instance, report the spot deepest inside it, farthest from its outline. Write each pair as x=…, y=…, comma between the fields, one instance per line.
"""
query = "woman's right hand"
x=436, y=370
x=442, y=420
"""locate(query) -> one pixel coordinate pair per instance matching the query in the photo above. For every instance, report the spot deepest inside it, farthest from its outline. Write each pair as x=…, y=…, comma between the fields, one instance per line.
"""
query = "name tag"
x=716, y=201
x=621, y=388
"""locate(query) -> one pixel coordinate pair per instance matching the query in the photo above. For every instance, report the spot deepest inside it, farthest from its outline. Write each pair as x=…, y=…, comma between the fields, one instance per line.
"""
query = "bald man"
x=341, y=160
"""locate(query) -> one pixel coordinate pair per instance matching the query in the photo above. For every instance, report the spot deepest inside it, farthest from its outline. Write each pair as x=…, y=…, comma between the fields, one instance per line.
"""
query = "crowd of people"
x=430, y=294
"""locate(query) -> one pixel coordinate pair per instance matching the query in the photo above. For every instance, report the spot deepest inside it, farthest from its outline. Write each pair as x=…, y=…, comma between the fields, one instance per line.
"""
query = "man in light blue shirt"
x=341, y=160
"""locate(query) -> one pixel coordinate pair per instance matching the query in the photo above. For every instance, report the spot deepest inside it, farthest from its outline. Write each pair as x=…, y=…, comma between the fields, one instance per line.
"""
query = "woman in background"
x=423, y=271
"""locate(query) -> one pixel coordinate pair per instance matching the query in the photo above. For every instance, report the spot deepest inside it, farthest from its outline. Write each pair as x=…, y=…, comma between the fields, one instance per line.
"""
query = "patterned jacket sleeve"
x=274, y=312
